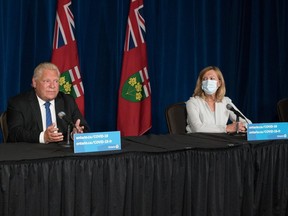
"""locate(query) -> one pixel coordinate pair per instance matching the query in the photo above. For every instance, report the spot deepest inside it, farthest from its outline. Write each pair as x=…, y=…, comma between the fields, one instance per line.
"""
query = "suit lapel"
x=35, y=107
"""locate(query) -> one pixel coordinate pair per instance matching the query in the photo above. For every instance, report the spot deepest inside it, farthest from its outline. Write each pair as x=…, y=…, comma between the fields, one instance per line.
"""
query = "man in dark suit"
x=27, y=114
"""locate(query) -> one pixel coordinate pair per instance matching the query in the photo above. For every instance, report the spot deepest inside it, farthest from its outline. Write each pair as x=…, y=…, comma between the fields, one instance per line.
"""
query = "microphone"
x=62, y=115
x=236, y=112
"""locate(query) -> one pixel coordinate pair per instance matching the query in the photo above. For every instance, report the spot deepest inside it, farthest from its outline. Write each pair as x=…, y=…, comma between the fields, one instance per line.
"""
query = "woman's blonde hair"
x=221, y=91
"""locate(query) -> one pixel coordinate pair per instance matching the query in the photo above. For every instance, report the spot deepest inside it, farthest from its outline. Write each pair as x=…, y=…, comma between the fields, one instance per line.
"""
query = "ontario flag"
x=65, y=53
x=134, y=99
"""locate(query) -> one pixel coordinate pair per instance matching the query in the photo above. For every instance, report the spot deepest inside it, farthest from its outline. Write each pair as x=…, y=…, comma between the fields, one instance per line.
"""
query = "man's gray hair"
x=42, y=66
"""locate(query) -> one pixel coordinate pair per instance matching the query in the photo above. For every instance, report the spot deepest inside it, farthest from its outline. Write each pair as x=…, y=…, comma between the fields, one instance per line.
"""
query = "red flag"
x=65, y=53
x=134, y=102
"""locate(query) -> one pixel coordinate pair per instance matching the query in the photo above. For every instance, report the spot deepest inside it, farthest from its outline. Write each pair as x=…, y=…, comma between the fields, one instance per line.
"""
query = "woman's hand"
x=231, y=128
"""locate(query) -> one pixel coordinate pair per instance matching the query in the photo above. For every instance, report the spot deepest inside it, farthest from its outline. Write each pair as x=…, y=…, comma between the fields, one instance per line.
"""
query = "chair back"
x=4, y=126
x=176, y=116
x=282, y=110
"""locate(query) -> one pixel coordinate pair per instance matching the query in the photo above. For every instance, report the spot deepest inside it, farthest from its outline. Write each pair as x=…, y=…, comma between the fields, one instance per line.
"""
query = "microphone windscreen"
x=229, y=107
x=61, y=114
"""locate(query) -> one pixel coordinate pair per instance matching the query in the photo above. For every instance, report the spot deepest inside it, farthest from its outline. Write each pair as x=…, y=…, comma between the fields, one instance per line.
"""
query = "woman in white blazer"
x=207, y=109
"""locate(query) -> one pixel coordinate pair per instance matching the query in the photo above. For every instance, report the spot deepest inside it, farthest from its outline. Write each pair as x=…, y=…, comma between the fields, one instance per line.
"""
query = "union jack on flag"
x=135, y=28
x=65, y=53
x=60, y=38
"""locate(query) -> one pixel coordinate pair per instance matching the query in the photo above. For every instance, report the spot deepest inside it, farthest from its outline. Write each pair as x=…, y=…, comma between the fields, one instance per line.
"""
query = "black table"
x=195, y=174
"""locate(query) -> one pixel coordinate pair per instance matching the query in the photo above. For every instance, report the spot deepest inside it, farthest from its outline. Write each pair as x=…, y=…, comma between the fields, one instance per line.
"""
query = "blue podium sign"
x=267, y=131
x=95, y=142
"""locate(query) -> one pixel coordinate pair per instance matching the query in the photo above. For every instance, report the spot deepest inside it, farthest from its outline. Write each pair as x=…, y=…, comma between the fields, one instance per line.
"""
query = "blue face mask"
x=209, y=86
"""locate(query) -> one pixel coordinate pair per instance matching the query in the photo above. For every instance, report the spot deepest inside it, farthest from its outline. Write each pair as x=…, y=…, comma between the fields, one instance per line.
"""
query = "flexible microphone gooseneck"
x=236, y=112
x=62, y=115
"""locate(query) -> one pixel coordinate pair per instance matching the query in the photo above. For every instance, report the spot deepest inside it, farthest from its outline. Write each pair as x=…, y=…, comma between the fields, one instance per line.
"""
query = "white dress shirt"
x=43, y=116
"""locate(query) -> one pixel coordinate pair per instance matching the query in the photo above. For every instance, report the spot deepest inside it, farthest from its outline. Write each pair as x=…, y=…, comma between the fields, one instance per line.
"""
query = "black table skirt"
x=199, y=174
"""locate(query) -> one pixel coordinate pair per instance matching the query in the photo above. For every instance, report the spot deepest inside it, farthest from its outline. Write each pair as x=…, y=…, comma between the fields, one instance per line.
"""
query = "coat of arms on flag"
x=134, y=101
x=137, y=87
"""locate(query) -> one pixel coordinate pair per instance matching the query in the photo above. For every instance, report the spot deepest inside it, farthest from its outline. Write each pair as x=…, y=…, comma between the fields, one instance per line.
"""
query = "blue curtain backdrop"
x=247, y=39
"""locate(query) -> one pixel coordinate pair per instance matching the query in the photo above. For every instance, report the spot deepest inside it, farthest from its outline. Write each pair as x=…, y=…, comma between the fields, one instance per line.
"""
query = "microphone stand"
x=68, y=144
x=238, y=133
x=237, y=124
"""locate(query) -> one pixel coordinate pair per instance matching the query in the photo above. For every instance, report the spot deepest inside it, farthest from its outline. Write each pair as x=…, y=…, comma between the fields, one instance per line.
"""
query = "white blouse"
x=200, y=118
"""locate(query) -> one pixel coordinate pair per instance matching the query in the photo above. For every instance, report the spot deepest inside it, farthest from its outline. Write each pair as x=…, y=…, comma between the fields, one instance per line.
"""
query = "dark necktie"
x=48, y=114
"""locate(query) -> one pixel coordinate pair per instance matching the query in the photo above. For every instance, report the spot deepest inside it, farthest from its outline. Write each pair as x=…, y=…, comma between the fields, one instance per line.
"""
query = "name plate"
x=96, y=142
x=267, y=131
